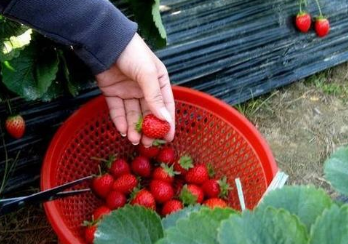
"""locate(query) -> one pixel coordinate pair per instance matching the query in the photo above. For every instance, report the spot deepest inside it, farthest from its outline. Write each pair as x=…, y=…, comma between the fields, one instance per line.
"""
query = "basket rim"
x=190, y=96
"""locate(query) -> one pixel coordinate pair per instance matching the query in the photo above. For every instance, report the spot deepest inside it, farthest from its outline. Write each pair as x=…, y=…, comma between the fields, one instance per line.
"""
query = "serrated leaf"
x=10, y=28
x=307, y=202
x=199, y=228
x=331, y=227
x=31, y=74
x=148, y=17
x=336, y=170
x=10, y=47
x=263, y=226
x=173, y=218
x=129, y=225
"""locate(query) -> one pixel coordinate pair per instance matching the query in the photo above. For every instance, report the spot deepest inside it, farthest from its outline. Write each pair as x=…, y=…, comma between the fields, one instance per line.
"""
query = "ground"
x=303, y=123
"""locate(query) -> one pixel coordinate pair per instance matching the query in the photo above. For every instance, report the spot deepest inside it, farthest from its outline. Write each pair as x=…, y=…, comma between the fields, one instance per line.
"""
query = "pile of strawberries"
x=156, y=179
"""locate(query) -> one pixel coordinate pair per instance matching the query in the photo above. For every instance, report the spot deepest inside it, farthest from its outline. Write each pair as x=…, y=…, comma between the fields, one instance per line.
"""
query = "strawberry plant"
x=37, y=68
x=291, y=215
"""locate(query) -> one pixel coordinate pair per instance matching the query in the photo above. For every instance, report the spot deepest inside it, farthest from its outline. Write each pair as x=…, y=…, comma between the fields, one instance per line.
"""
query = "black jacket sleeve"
x=97, y=31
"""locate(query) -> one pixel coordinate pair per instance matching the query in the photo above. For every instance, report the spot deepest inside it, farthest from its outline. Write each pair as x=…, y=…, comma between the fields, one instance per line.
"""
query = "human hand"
x=136, y=85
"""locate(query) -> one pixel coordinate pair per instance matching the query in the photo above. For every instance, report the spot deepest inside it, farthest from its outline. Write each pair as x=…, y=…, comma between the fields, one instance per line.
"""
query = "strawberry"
x=183, y=164
x=150, y=152
x=171, y=206
x=15, y=126
x=119, y=167
x=191, y=194
x=115, y=200
x=322, y=26
x=178, y=185
x=102, y=185
x=162, y=191
x=164, y=173
x=141, y=166
x=166, y=155
x=100, y=212
x=197, y=175
x=144, y=198
x=216, y=188
x=89, y=233
x=215, y=203
x=125, y=183
x=211, y=188
x=153, y=127
x=303, y=21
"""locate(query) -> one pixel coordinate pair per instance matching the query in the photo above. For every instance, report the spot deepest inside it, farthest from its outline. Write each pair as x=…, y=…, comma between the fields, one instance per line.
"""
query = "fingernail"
x=147, y=146
x=166, y=115
x=135, y=143
x=123, y=135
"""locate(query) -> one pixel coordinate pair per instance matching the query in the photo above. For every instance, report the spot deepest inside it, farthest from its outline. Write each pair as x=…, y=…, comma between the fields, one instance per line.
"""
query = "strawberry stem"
x=9, y=106
x=321, y=14
x=99, y=159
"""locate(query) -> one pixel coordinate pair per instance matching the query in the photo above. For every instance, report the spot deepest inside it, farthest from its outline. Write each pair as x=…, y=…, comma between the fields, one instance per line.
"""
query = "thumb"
x=149, y=84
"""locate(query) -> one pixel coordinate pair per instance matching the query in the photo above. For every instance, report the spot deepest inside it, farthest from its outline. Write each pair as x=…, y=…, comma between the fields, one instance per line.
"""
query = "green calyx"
x=224, y=187
x=158, y=143
x=186, y=162
x=187, y=197
x=169, y=170
x=139, y=125
x=211, y=171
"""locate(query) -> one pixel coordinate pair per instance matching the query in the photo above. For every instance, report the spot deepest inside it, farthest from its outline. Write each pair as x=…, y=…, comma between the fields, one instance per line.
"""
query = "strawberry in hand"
x=15, y=126
x=303, y=21
x=153, y=127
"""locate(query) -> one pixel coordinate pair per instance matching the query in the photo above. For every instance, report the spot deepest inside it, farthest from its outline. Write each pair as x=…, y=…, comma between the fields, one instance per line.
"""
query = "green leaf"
x=336, y=170
x=331, y=227
x=31, y=74
x=306, y=202
x=263, y=226
x=199, y=228
x=11, y=46
x=129, y=225
x=173, y=218
x=148, y=17
x=13, y=38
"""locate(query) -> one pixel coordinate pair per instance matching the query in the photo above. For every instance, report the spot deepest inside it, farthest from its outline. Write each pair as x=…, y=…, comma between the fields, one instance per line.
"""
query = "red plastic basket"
x=207, y=129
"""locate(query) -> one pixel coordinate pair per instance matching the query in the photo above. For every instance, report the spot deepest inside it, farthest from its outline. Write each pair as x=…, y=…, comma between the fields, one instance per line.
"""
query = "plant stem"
x=300, y=6
x=6, y=162
x=321, y=14
x=9, y=106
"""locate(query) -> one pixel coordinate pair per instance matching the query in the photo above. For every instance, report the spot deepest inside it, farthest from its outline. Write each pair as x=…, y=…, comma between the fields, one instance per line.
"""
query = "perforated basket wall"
x=207, y=129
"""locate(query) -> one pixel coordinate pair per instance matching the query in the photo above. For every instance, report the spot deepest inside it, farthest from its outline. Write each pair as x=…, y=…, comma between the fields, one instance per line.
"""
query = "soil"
x=303, y=123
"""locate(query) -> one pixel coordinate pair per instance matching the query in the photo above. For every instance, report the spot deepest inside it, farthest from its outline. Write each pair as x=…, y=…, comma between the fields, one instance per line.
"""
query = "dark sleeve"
x=97, y=31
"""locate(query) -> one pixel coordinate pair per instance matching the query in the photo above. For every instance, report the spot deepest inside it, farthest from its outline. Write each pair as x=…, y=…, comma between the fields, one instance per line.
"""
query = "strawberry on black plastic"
x=15, y=126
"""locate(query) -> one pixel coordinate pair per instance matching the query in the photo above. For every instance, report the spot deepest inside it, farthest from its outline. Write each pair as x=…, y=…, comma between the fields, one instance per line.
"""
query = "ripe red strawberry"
x=166, y=155
x=191, y=194
x=119, y=167
x=215, y=203
x=141, y=166
x=322, y=26
x=162, y=191
x=171, y=206
x=125, y=183
x=151, y=152
x=100, y=212
x=89, y=233
x=197, y=175
x=216, y=188
x=164, y=173
x=115, y=200
x=102, y=185
x=183, y=164
x=153, y=127
x=303, y=21
x=144, y=198
x=15, y=126
x=211, y=188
